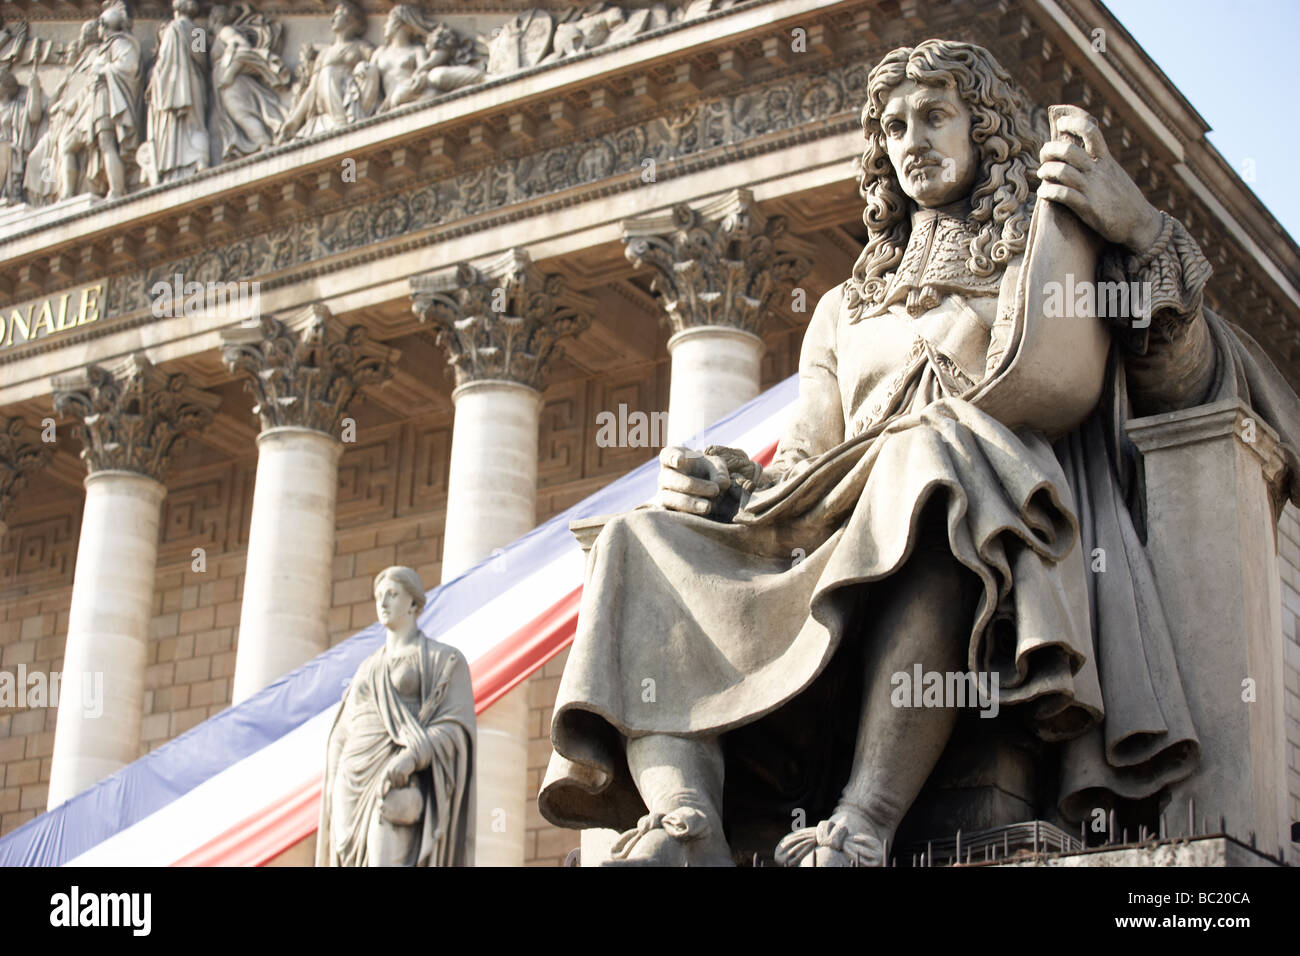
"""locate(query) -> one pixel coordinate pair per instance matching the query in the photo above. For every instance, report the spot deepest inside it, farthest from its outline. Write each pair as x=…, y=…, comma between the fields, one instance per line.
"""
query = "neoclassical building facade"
x=316, y=294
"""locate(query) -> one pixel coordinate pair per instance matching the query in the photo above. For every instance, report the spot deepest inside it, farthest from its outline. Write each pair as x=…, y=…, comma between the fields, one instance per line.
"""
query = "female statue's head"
x=399, y=597
x=409, y=18
x=943, y=122
x=348, y=20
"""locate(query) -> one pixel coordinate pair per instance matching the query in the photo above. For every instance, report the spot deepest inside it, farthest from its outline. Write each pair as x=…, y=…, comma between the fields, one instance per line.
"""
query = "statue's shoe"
x=683, y=837
x=830, y=843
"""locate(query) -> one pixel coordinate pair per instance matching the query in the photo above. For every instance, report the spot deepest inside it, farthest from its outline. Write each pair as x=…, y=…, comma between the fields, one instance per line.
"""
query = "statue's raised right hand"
x=691, y=481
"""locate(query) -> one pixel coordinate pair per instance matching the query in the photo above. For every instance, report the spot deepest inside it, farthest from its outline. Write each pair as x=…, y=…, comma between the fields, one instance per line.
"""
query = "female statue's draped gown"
x=422, y=701
x=739, y=623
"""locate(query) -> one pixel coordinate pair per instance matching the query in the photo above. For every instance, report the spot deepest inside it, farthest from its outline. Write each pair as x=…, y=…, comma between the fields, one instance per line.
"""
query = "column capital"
x=719, y=263
x=131, y=415
x=19, y=460
x=502, y=319
x=305, y=367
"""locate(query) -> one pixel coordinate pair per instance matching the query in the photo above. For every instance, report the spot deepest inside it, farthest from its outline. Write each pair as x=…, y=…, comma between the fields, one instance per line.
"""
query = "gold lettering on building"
x=41, y=318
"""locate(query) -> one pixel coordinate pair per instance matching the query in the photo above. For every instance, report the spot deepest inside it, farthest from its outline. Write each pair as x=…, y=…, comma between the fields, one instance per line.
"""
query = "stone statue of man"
x=104, y=122
x=902, y=523
x=399, y=769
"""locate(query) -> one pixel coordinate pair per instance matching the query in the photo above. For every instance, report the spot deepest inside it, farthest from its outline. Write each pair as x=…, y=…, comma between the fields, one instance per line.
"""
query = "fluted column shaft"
x=284, y=618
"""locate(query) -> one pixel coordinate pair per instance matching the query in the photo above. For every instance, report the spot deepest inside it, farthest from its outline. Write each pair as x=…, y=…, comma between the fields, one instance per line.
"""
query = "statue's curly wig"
x=1007, y=148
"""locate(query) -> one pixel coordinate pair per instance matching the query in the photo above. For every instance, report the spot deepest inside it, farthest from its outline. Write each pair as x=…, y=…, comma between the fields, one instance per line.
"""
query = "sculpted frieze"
x=780, y=105
x=121, y=115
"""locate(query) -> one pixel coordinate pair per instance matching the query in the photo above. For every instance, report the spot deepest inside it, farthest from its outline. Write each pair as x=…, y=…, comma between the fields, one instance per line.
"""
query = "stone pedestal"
x=102, y=692
x=283, y=622
x=1212, y=538
x=716, y=369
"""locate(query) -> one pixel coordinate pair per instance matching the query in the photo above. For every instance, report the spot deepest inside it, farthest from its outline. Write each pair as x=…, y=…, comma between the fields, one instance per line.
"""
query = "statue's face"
x=112, y=20
x=343, y=21
x=393, y=25
x=927, y=133
x=393, y=605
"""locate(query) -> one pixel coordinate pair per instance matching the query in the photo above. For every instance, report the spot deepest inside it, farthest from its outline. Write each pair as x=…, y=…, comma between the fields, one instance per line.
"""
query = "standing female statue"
x=399, y=768
x=417, y=61
x=331, y=97
x=247, y=74
x=911, y=517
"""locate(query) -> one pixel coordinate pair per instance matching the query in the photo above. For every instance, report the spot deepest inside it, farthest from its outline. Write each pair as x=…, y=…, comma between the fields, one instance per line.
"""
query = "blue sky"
x=1238, y=63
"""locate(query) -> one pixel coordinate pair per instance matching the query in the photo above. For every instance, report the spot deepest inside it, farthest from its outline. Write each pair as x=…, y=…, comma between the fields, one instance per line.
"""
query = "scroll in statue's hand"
x=1079, y=172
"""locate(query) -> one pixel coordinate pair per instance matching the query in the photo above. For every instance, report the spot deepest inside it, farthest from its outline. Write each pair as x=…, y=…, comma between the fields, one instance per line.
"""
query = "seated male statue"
x=737, y=642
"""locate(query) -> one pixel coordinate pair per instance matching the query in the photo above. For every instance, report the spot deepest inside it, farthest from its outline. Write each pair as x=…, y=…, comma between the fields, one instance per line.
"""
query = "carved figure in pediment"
x=21, y=110
x=419, y=59
x=602, y=24
x=43, y=165
x=331, y=95
x=177, y=100
x=247, y=75
x=103, y=113
x=521, y=42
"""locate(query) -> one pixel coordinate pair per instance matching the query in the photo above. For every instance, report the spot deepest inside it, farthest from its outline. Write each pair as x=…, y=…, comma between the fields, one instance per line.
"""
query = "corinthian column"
x=499, y=324
x=719, y=268
x=304, y=370
x=131, y=417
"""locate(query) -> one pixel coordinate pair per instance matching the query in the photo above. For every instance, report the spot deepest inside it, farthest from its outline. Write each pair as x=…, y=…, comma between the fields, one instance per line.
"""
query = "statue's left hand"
x=1079, y=172
x=399, y=770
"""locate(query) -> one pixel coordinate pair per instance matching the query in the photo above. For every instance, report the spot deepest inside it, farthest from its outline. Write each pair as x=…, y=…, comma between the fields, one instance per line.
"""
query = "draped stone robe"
x=177, y=104
x=375, y=723
x=748, y=627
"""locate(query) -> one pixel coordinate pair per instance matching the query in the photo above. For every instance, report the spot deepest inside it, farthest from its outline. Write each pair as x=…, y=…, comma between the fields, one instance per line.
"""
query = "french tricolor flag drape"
x=245, y=785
